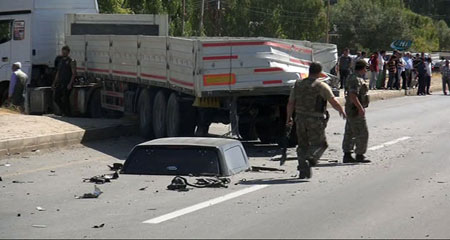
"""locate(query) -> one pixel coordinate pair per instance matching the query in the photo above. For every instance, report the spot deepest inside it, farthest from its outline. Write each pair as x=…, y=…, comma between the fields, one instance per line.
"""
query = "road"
x=403, y=193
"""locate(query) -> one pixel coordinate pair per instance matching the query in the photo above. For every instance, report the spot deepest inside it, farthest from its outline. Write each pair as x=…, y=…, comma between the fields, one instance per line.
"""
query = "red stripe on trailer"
x=219, y=58
x=273, y=44
x=295, y=60
x=79, y=68
x=272, y=82
x=273, y=69
x=98, y=70
x=125, y=73
x=153, y=76
x=189, y=84
x=113, y=94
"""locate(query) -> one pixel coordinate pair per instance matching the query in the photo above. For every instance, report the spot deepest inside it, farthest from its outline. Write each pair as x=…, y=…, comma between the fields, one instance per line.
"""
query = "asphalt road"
x=403, y=193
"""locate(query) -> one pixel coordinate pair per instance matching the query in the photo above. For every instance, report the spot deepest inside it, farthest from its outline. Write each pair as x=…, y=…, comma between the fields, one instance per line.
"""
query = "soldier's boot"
x=360, y=158
x=304, y=170
x=348, y=158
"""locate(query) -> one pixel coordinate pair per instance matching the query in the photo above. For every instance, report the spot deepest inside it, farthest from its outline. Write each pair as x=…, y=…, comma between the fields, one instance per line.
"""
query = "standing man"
x=309, y=100
x=392, y=68
x=345, y=63
x=408, y=70
x=356, y=100
x=422, y=74
x=373, y=61
x=428, y=64
x=445, y=70
x=17, y=86
x=64, y=79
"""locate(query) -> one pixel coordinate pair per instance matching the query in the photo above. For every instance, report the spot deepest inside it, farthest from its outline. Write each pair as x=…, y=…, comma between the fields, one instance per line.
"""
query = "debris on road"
x=6, y=165
x=143, y=189
x=39, y=226
x=15, y=181
x=101, y=179
x=258, y=169
x=95, y=194
x=99, y=226
x=181, y=184
x=116, y=167
x=1, y=179
x=40, y=209
x=18, y=215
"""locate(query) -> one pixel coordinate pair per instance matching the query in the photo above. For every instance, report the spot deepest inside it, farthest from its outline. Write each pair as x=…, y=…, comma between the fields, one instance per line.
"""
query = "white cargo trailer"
x=179, y=84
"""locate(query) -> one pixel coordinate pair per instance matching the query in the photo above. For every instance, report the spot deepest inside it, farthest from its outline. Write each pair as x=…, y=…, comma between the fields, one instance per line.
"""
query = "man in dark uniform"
x=64, y=79
x=309, y=100
x=344, y=66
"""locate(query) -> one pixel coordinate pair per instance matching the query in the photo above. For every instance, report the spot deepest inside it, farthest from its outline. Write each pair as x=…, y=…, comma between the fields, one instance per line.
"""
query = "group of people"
x=65, y=73
x=308, y=99
x=404, y=70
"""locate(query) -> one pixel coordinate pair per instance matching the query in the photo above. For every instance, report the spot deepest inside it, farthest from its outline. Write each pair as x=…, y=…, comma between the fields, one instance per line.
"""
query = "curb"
x=20, y=145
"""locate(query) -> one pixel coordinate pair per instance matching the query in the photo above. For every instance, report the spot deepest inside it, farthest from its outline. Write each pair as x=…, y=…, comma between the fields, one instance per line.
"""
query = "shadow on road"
x=256, y=149
x=272, y=181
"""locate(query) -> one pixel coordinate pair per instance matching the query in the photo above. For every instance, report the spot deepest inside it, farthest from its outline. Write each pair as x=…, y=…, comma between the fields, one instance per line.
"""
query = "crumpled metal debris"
x=99, y=226
x=116, y=166
x=101, y=179
x=97, y=192
x=259, y=169
x=40, y=209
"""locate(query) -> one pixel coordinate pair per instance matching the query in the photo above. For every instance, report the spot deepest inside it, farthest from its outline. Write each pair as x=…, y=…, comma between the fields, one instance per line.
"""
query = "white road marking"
x=205, y=204
x=388, y=143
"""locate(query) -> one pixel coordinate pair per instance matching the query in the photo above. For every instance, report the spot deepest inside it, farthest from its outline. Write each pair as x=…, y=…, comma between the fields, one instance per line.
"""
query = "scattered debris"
x=181, y=184
x=258, y=169
x=40, y=209
x=6, y=165
x=35, y=150
x=15, y=181
x=99, y=226
x=39, y=226
x=18, y=215
x=101, y=179
x=440, y=182
x=52, y=171
x=151, y=209
x=116, y=166
x=95, y=194
x=143, y=189
x=1, y=179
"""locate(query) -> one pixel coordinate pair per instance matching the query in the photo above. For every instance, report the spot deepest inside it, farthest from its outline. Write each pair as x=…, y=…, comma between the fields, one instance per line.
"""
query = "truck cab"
x=32, y=32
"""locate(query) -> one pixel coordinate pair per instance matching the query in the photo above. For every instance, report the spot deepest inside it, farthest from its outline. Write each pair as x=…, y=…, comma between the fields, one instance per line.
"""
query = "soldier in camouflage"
x=357, y=99
x=309, y=100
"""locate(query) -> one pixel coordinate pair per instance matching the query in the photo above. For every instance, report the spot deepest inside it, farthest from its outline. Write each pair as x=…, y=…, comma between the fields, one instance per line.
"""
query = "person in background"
x=445, y=71
x=422, y=74
x=408, y=70
x=392, y=68
x=429, y=68
x=344, y=65
x=401, y=71
x=382, y=70
x=415, y=72
x=374, y=70
x=64, y=80
x=17, y=86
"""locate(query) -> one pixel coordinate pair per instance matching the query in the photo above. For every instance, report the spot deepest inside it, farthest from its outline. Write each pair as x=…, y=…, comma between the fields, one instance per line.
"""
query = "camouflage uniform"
x=356, y=132
x=311, y=96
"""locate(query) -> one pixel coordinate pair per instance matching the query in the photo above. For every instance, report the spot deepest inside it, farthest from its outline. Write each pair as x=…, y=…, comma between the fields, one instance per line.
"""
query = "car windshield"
x=173, y=160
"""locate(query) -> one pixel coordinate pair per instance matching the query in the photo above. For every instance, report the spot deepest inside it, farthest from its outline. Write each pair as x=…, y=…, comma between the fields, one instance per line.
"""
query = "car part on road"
x=116, y=167
x=259, y=169
x=180, y=183
x=187, y=156
x=97, y=192
x=102, y=179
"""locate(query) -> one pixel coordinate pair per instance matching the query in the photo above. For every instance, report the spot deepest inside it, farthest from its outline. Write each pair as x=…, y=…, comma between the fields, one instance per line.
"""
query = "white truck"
x=179, y=86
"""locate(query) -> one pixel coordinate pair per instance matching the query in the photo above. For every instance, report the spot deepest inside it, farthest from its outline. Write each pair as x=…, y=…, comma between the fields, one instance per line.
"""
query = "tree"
x=112, y=6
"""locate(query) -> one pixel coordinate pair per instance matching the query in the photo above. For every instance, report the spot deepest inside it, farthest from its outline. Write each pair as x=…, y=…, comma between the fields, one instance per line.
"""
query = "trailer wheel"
x=95, y=105
x=159, y=114
x=145, y=114
x=248, y=131
x=180, y=123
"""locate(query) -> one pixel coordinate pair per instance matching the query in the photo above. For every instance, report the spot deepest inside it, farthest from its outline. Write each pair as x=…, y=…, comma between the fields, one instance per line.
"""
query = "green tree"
x=112, y=6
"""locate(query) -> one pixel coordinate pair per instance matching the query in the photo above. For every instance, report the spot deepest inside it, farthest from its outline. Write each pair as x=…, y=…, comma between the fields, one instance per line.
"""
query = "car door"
x=5, y=48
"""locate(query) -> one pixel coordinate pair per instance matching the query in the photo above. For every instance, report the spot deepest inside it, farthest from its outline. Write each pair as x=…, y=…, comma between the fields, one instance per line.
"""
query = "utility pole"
x=184, y=14
x=201, y=17
x=328, y=22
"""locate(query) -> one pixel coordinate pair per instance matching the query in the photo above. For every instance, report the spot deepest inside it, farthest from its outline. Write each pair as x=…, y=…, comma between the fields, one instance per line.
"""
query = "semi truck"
x=179, y=86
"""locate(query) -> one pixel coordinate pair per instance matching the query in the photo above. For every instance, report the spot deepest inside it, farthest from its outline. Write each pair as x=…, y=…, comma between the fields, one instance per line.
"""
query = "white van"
x=32, y=32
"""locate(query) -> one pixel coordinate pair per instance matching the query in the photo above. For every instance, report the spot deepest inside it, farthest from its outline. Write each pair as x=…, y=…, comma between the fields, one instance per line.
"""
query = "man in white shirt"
x=429, y=75
x=382, y=72
x=408, y=70
x=17, y=86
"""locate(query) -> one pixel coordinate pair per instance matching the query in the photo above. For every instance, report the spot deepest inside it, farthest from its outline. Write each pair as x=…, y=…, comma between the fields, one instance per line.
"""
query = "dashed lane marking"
x=388, y=143
x=205, y=204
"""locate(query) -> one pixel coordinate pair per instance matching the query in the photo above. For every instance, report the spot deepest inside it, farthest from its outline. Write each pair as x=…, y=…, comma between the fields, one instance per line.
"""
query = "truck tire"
x=145, y=114
x=180, y=123
x=159, y=114
x=248, y=131
x=95, y=105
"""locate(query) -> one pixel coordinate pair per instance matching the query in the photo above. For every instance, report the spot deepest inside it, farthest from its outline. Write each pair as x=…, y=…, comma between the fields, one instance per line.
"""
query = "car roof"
x=192, y=141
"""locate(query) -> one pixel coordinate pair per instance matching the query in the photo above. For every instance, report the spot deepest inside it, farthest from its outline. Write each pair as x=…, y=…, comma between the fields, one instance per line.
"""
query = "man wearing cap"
x=17, y=86
x=309, y=99
x=356, y=132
